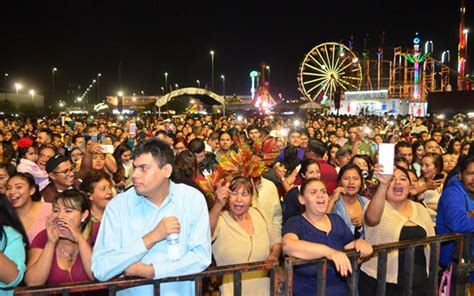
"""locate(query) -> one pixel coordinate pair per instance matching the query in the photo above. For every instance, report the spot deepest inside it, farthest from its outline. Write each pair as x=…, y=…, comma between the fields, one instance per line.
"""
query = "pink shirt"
x=40, y=223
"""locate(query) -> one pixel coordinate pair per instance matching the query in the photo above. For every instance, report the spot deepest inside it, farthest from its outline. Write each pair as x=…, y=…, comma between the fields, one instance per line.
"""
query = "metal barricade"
x=115, y=285
x=460, y=275
x=460, y=271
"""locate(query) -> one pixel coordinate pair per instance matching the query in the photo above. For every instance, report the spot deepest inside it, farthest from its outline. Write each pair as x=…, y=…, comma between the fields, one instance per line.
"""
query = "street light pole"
x=98, y=86
x=5, y=85
x=223, y=84
x=212, y=70
x=268, y=68
x=18, y=86
x=32, y=93
x=166, y=82
x=54, y=90
x=198, y=83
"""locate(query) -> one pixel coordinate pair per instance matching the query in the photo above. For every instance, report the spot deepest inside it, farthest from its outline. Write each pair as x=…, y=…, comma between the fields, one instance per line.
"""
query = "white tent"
x=310, y=105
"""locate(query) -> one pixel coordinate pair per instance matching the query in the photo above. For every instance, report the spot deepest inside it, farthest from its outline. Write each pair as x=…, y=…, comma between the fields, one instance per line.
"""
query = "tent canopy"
x=190, y=91
x=310, y=105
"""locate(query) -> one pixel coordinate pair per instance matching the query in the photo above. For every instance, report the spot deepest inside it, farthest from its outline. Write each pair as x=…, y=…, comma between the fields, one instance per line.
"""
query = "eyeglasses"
x=66, y=171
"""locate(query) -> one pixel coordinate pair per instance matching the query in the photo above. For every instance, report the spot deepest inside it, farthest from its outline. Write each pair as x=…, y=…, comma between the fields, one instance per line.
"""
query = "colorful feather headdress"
x=244, y=162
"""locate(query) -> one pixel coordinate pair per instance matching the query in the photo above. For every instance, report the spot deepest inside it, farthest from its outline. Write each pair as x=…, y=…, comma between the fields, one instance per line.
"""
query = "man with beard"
x=136, y=224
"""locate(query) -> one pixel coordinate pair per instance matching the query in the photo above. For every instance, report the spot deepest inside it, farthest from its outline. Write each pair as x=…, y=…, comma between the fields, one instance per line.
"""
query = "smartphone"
x=298, y=168
x=386, y=157
x=133, y=129
x=107, y=148
x=438, y=177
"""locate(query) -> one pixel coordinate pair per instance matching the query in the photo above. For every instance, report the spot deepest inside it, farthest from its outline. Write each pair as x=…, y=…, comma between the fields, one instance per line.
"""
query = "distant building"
x=20, y=101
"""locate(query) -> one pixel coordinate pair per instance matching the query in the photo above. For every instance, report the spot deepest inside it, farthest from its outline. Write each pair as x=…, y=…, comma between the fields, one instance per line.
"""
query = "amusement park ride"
x=410, y=74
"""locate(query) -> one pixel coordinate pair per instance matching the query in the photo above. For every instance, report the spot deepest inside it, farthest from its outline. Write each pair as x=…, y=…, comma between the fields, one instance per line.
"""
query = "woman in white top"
x=390, y=217
x=242, y=234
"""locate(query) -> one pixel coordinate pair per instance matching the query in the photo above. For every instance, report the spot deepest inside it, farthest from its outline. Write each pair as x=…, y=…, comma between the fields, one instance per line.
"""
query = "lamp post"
x=268, y=69
x=162, y=90
x=98, y=86
x=176, y=86
x=5, y=82
x=54, y=90
x=223, y=84
x=198, y=83
x=5, y=85
x=120, y=101
x=166, y=81
x=32, y=93
x=18, y=86
x=212, y=69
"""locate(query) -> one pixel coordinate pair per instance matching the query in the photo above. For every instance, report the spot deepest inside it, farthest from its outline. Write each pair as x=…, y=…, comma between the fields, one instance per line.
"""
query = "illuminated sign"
x=366, y=95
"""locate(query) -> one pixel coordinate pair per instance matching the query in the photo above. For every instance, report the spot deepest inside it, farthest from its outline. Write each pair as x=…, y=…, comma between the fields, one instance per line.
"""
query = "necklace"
x=69, y=256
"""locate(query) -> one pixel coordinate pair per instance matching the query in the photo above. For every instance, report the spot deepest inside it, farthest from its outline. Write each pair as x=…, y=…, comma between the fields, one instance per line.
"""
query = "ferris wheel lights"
x=355, y=60
x=341, y=54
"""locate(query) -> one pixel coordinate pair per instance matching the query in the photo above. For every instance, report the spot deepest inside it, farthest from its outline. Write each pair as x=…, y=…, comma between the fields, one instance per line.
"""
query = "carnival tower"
x=263, y=100
x=462, y=49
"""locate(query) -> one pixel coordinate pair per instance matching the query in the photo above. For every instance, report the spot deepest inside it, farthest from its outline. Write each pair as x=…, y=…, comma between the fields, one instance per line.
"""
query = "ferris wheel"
x=328, y=68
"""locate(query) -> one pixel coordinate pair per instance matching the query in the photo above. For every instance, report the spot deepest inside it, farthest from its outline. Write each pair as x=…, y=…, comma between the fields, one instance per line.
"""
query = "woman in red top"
x=61, y=253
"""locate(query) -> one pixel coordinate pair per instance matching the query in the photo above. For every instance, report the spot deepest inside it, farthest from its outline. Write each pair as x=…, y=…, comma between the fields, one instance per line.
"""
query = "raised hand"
x=382, y=178
x=94, y=148
x=337, y=193
x=76, y=234
x=222, y=193
x=52, y=230
x=280, y=170
x=434, y=184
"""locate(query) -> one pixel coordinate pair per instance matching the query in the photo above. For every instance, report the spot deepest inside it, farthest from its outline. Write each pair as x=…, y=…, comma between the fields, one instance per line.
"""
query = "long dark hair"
x=77, y=200
x=351, y=166
x=120, y=174
x=36, y=196
x=8, y=217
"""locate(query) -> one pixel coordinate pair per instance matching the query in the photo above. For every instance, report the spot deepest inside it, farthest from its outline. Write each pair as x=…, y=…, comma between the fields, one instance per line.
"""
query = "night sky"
x=151, y=39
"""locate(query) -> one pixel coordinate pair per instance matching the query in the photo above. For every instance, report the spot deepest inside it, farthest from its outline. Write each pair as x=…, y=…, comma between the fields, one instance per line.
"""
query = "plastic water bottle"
x=174, y=247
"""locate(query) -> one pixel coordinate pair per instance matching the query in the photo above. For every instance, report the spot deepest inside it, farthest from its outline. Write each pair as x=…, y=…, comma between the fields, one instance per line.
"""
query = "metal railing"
x=458, y=283
x=115, y=285
x=459, y=276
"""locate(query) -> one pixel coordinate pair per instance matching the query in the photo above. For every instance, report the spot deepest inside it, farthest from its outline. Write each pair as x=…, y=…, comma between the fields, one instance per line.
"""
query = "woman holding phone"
x=430, y=183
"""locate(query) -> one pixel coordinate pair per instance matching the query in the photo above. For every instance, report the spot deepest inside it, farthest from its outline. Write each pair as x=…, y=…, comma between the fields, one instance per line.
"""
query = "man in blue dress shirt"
x=133, y=231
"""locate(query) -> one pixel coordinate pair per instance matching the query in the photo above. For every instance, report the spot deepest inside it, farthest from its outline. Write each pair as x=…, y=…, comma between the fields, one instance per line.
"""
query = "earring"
x=83, y=220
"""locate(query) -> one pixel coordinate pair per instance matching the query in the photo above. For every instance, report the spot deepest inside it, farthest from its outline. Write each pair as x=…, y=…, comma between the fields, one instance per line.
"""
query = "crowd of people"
x=84, y=198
